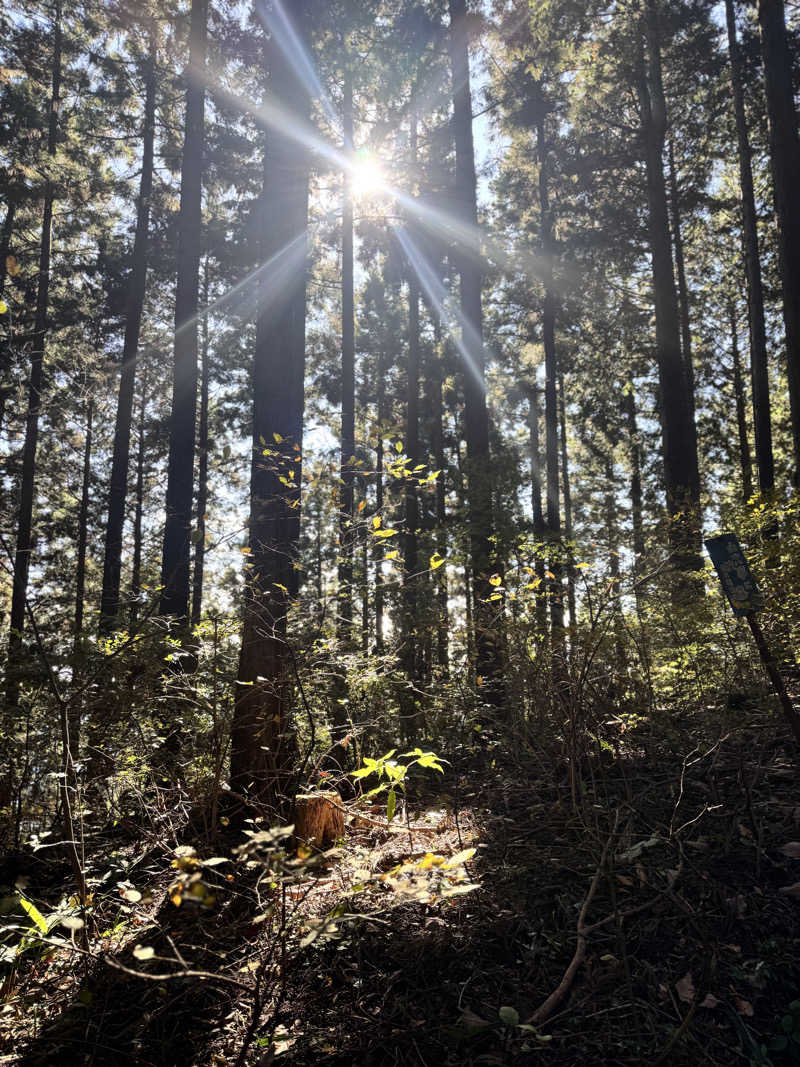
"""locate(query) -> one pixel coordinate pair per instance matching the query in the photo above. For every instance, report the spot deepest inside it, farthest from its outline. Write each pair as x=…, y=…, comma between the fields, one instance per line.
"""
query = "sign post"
x=745, y=600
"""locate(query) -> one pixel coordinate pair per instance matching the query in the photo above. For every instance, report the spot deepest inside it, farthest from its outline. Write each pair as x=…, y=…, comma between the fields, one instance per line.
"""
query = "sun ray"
x=464, y=335
x=246, y=298
x=279, y=26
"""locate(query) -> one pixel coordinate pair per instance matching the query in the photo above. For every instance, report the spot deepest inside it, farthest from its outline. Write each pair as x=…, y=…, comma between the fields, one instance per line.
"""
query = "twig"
x=546, y=1009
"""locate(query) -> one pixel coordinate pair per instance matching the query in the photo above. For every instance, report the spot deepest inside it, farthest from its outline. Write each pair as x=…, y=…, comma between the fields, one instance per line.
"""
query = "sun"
x=366, y=176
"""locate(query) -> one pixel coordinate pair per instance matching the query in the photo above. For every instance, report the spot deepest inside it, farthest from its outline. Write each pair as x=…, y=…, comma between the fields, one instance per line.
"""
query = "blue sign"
x=734, y=573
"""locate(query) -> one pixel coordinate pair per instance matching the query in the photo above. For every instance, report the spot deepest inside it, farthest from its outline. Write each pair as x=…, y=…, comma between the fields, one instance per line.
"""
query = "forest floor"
x=641, y=907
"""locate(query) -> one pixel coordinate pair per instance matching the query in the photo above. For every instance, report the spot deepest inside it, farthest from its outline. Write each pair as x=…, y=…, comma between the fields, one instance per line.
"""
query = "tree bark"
x=680, y=270
x=567, y=494
x=635, y=453
x=5, y=323
x=762, y=421
x=552, y=512
x=176, y=558
x=679, y=434
x=202, y=465
x=539, y=530
x=138, y=512
x=377, y=552
x=410, y=535
x=347, y=472
x=785, y=159
x=437, y=447
x=745, y=459
x=476, y=421
x=78, y=651
x=118, y=491
x=262, y=741
x=24, y=540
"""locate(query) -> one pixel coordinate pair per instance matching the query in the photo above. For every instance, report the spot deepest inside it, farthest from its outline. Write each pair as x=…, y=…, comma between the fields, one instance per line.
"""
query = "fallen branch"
x=546, y=1009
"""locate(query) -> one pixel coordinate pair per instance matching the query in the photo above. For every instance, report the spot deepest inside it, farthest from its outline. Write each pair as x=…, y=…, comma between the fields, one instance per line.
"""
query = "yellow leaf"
x=376, y=522
x=582, y=566
x=495, y=580
x=436, y=561
x=245, y=551
x=3, y=307
x=276, y=437
x=398, y=446
x=549, y=574
x=392, y=555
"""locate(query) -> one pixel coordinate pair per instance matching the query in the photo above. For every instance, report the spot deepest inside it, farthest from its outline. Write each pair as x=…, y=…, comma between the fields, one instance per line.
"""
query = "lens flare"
x=366, y=176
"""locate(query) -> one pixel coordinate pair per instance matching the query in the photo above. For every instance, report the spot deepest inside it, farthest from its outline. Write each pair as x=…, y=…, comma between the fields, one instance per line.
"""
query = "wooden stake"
x=775, y=677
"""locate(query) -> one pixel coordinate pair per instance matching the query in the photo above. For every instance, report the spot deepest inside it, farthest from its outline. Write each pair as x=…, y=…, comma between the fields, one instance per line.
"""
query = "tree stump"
x=318, y=819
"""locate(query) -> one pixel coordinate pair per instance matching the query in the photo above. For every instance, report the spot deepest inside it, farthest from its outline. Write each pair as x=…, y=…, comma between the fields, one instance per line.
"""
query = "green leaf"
x=508, y=1015
x=391, y=805
x=34, y=914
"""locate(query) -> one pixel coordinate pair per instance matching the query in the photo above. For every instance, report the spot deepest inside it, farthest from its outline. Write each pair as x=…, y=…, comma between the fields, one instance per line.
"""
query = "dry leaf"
x=791, y=849
x=744, y=1007
x=709, y=1001
x=790, y=890
x=684, y=987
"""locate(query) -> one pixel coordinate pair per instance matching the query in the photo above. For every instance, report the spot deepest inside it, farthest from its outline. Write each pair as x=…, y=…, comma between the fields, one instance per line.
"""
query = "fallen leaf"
x=684, y=987
x=790, y=890
x=791, y=849
x=709, y=1001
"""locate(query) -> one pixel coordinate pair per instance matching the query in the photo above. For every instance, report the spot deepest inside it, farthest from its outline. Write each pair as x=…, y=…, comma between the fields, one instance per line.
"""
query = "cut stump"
x=318, y=819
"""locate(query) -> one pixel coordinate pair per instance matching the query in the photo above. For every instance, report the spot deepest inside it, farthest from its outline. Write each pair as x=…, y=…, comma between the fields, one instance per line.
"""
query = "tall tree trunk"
x=635, y=455
x=202, y=465
x=347, y=472
x=118, y=492
x=552, y=513
x=679, y=434
x=138, y=510
x=437, y=448
x=262, y=741
x=745, y=459
x=377, y=551
x=680, y=270
x=78, y=651
x=24, y=545
x=785, y=158
x=567, y=494
x=476, y=421
x=410, y=537
x=365, y=546
x=539, y=529
x=176, y=558
x=410, y=651
x=762, y=422
x=612, y=534
x=5, y=324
